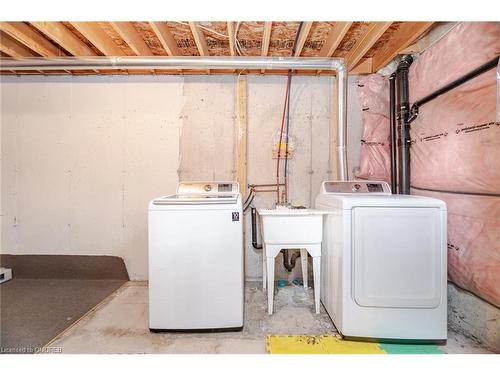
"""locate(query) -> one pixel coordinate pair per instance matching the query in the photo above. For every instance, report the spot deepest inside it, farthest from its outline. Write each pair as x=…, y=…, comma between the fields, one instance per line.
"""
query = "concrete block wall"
x=82, y=156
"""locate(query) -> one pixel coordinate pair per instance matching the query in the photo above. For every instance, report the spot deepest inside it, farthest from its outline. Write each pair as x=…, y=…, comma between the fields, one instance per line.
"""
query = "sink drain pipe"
x=403, y=115
x=393, y=133
x=255, y=244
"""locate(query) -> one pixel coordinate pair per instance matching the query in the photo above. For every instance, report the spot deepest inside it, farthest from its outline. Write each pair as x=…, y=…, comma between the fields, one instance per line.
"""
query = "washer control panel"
x=207, y=188
x=356, y=187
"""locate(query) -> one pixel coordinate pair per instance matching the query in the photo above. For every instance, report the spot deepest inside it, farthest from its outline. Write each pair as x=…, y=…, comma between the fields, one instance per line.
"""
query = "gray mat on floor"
x=33, y=311
x=50, y=292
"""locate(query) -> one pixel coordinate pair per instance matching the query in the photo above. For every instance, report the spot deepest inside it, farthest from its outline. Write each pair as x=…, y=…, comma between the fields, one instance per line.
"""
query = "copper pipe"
x=262, y=185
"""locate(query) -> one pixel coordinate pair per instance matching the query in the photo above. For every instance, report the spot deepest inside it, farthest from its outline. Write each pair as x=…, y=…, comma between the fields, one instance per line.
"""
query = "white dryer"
x=196, y=258
x=384, y=269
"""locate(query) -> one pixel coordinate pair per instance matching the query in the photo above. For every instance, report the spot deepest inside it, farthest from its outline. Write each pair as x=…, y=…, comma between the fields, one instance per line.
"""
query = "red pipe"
x=281, y=138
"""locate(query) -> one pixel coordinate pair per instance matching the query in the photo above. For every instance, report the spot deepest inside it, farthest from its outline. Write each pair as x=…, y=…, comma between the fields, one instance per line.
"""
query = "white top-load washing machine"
x=383, y=262
x=196, y=258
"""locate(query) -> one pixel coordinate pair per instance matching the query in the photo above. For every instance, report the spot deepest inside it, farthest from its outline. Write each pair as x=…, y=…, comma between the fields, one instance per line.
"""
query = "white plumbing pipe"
x=201, y=62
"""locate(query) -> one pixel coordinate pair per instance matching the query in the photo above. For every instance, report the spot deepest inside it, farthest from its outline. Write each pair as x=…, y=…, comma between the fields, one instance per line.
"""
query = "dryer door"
x=398, y=255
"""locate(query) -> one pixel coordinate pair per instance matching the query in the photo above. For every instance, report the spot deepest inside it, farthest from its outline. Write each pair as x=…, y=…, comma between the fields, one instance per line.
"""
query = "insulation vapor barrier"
x=456, y=148
x=375, y=159
x=455, y=152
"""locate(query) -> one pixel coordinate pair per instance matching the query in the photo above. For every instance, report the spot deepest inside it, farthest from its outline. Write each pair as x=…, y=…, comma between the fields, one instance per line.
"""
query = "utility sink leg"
x=317, y=281
x=303, y=262
x=270, y=285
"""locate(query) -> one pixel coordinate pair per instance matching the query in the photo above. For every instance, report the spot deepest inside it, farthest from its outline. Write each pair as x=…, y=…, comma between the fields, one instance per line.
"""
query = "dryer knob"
x=356, y=188
x=207, y=187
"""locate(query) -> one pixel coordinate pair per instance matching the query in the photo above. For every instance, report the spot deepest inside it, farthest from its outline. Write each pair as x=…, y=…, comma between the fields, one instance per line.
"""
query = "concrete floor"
x=120, y=325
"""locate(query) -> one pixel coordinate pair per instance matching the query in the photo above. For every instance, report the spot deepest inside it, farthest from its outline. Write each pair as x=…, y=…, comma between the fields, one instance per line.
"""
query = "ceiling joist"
x=232, y=38
x=130, y=35
x=266, y=39
x=406, y=35
x=304, y=33
x=165, y=37
x=64, y=37
x=98, y=37
x=30, y=38
x=367, y=40
x=199, y=39
x=334, y=38
x=366, y=47
x=13, y=48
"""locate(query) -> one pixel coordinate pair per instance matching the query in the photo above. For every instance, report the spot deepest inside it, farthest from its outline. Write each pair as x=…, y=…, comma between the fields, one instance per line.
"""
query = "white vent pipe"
x=200, y=62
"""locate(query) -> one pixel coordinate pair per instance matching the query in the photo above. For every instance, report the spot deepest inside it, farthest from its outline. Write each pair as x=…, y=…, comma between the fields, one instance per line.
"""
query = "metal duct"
x=202, y=62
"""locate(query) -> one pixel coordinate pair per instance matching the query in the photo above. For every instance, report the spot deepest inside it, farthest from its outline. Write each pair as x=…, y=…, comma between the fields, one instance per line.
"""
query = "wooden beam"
x=402, y=38
x=438, y=31
x=199, y=39
x=242, y=135
x=30, y=38
x=64, y=37
x=367, y=40
x=12, y=47
x=364, y=66
x=335, y=36
x=304, y=32
x=266, y=39
x=232, y=40
x=166, y=38
x=130, y=35
x=93, y=32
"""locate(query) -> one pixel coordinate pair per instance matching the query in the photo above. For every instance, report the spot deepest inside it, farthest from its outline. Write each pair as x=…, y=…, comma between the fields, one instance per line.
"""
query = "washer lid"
x=194, y=199
x=349, y=201
x=355, y=188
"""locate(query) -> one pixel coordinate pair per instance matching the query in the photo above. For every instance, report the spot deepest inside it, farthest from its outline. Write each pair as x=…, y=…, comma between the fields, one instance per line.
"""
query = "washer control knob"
x=207, y=187
x=356, y=187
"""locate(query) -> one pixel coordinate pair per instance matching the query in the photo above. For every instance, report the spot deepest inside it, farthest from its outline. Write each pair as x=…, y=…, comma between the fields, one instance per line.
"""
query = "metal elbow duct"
x=342, y=121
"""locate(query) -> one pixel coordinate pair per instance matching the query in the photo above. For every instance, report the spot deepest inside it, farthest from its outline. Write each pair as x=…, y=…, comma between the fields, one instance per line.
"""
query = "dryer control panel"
x=207, y=188
x=356, y=187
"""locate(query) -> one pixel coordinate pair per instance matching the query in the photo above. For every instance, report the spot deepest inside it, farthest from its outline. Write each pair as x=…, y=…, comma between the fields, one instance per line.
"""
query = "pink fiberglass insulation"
x=456, y=148
x=464, y=48
x=456, y=139
x=375, y=162
x=373, y=93
x=473, y=242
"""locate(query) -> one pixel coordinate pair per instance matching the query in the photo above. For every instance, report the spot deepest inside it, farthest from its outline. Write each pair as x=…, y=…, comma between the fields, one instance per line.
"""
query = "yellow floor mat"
x=335, y=345
x=319, y=345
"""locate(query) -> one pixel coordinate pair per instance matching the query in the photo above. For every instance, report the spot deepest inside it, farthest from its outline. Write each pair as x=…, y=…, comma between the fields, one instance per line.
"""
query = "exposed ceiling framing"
x=366, y=46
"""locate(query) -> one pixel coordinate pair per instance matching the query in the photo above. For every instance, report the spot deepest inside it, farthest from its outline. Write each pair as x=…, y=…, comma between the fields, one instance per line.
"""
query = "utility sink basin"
x=291, y=226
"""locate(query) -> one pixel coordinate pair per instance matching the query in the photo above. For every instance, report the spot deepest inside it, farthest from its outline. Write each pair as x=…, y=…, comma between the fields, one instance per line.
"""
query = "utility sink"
x=291, y=226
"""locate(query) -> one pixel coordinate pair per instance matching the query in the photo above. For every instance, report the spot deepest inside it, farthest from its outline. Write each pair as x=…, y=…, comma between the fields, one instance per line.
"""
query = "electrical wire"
x=237, y=44
x=286, y=110
x=249, y=200
x=281, y=139
x=204, y=28
x=249, y=195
